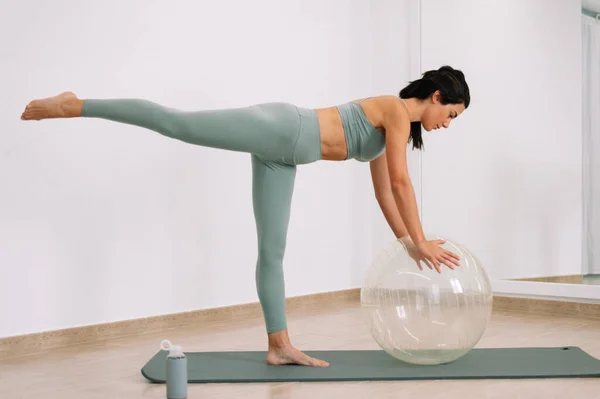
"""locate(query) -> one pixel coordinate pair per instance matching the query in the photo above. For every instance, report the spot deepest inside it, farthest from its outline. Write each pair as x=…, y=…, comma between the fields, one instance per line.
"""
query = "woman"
x=279, y=137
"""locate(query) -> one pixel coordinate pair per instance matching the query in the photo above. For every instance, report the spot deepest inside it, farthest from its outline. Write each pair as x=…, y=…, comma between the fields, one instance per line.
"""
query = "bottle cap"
x=174, y=350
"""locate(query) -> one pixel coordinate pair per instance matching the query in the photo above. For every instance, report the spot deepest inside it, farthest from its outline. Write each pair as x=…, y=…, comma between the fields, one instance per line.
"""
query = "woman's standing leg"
x=272, y=190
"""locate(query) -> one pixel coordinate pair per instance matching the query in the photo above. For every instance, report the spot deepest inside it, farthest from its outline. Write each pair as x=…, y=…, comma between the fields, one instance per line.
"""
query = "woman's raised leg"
x=270, y=130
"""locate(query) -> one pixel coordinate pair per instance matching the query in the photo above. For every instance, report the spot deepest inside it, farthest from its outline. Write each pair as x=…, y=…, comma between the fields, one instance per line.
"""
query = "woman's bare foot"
x=282, y=352
x=291, y=355
x=65, y=105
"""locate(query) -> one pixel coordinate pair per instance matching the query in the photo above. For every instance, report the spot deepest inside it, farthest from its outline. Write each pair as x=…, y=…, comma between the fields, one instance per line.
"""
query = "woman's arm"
x=397, y=126
x=384, y=196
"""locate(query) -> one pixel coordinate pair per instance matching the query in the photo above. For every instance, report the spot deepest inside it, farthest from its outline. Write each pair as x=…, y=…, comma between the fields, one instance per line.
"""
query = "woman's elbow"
x=400, y=183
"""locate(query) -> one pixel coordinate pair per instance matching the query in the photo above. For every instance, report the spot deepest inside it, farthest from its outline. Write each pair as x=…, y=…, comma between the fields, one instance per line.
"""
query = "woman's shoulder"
x=386, y=98
x=384, y=109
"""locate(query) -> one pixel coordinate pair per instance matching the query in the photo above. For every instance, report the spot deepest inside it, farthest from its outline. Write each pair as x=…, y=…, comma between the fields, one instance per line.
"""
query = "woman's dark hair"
x=453, y=90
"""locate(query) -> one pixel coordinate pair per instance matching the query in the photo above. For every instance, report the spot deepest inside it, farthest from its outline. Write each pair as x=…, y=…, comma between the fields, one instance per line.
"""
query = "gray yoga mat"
x=373, y=365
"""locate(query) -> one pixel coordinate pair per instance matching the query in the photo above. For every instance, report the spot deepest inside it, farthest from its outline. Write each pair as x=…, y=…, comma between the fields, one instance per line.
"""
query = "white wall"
x=505, y=179
x=103, y=222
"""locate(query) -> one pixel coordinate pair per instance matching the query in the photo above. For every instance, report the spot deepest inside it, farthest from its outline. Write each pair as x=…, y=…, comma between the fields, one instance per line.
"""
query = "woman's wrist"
x=407, y=239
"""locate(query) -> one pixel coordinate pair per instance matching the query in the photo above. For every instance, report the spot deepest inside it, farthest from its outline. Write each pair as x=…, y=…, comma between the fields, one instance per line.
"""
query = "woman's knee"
x=271, y=254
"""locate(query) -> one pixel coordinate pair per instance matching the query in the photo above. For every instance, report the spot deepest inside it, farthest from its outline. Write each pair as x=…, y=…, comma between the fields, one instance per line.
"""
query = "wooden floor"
x=112, y=369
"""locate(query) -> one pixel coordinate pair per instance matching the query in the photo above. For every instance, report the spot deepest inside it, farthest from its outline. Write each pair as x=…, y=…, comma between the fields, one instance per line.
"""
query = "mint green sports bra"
x=363, y=140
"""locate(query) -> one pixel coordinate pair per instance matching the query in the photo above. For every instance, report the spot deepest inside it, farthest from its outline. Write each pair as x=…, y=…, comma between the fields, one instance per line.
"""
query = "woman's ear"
x=435, y=97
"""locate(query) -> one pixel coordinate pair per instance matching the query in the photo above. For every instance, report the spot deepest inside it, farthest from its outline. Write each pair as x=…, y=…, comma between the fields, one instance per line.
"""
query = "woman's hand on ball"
x=413, y=252
x=434, y=255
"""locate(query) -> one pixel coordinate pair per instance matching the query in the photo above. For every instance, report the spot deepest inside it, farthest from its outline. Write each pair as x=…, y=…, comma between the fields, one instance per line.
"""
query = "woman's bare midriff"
x=333, y=140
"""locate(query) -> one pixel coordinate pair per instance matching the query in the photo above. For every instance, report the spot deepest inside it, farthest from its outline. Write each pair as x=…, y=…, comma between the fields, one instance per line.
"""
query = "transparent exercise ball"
x=420, y=316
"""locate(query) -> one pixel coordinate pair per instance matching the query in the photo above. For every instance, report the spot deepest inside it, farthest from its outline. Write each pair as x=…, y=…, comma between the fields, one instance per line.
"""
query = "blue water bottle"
x=177, y=374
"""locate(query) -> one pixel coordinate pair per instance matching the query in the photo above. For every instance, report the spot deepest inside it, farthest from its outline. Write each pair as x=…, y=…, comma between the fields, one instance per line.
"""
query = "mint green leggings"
x=278, y=136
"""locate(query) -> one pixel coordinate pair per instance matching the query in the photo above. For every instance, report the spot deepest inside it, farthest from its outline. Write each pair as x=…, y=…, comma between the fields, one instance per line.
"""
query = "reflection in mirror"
x=590, y=256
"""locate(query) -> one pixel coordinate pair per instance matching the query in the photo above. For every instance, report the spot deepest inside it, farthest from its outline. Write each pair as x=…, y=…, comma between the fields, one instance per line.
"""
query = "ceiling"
x=592, y=5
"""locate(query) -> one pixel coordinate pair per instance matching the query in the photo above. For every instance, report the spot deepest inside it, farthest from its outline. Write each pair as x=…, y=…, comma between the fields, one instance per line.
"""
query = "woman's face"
x=438, y=115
